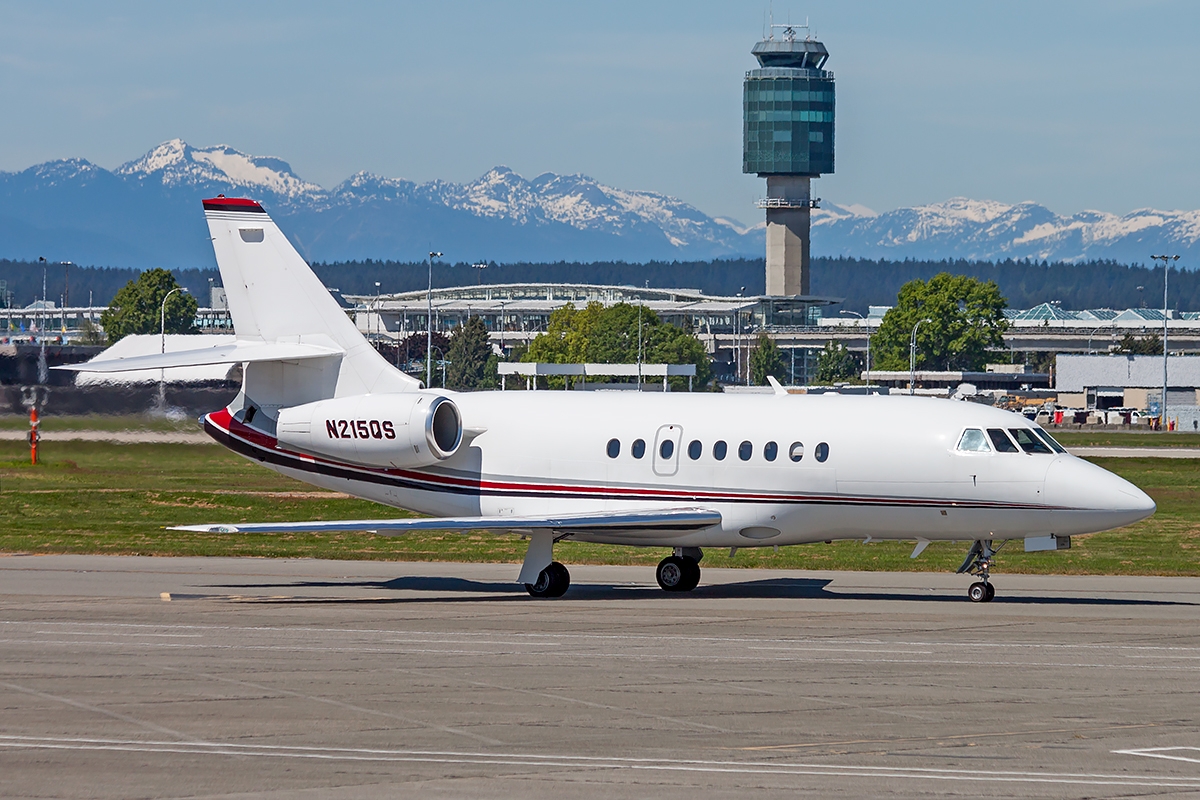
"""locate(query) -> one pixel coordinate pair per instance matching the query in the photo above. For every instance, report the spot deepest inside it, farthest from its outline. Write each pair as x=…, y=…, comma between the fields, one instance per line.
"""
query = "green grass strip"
x=98, y=497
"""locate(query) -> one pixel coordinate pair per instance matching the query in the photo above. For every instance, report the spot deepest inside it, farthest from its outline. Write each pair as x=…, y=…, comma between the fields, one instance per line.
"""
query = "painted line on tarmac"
x=568, y=699
x=593, y=762
x=1168, y=753
x=522, y=649
x=67, y=701
x=508, y=637
x=339, y=704
x=950, y=738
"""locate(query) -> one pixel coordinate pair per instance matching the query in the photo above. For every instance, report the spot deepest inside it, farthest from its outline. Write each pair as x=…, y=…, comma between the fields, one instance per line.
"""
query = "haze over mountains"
x=147, y=213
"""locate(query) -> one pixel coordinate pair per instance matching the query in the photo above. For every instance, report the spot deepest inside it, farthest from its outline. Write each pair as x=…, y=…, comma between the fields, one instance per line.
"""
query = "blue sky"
x=1071, y=104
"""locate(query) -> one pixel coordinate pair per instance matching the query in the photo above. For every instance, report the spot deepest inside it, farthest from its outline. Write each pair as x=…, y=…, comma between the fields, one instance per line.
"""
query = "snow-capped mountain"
x=176, y=164
x=987, y=230
x=146, y=213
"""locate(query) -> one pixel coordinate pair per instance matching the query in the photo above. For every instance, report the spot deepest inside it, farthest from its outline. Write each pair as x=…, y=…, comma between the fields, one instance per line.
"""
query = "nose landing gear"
x=979, y=563
x=680, y=572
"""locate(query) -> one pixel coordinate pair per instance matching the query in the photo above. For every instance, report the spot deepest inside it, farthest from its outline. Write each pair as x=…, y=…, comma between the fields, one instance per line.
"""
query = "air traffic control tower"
x=788, y=139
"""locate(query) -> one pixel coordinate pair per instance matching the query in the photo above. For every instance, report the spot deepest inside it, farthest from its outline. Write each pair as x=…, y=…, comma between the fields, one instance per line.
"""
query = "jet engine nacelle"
x=412, y=429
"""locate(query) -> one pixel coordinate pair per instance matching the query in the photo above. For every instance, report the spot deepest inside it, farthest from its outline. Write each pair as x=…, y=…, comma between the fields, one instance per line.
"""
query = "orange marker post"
x=35, y=435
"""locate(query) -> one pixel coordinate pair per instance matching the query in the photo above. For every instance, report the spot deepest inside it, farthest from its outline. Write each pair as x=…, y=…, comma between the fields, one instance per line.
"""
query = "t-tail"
x=275, y=298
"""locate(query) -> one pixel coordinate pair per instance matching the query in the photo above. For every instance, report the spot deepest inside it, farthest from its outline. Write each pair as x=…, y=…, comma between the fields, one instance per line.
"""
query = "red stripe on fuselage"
x=224, y=422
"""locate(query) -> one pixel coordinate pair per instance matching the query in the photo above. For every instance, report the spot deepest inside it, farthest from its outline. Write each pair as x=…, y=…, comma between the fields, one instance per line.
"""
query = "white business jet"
x=684, y=471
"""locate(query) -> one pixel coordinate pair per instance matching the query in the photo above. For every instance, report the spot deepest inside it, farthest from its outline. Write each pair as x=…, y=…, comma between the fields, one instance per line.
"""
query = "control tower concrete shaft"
x=788, y=106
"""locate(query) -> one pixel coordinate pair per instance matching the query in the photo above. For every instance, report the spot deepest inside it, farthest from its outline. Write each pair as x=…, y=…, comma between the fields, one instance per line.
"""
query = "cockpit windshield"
x=973, y=441
x=1029, y=441
x=1048, y=439
x=1001, y=441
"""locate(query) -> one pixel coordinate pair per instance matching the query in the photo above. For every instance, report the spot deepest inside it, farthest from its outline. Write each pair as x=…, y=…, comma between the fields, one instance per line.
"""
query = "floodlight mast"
x=429, y=324
x=912, y=358
x=867, y=323
x=1162, y=406
x=43, y=373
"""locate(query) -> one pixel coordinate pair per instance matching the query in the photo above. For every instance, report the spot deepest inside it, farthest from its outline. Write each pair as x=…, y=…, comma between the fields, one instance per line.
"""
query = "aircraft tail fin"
x=275, y=297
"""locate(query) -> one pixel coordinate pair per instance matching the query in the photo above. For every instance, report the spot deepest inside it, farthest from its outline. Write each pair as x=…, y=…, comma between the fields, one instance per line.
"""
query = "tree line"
x=863, y=282
x=950, y=322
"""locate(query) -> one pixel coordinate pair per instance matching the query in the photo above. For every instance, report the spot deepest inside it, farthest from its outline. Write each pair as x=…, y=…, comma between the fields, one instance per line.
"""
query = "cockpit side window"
x=1001, y=442
x=1029, y=442
x=1048, y=439
x=973, y=441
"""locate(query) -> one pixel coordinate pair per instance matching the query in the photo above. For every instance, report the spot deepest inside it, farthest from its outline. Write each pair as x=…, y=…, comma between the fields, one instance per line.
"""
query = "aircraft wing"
x=683, y=520
x=236, y=353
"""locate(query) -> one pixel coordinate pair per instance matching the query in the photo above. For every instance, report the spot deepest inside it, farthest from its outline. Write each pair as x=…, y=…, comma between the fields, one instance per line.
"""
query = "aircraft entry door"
x=666, y=450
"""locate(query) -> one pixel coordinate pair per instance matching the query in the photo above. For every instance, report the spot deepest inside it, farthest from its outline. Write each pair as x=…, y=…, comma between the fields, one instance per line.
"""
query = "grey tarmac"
x=191, y=677
x=1136, y=452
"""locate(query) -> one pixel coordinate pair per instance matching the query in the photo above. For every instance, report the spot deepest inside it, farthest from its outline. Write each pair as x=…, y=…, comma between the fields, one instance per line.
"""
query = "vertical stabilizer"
x=274, y=296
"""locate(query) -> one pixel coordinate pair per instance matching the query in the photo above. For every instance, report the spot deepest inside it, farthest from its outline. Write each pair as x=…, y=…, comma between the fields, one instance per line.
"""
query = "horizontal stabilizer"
x=612, y=522
x=236, y=353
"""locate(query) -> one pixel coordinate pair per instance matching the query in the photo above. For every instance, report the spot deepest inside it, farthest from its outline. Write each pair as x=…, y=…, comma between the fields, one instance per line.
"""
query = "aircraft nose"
x=1080, y=485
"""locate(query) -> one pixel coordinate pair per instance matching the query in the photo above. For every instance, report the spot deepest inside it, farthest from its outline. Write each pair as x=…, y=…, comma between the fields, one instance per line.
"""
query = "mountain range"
x=146, y=213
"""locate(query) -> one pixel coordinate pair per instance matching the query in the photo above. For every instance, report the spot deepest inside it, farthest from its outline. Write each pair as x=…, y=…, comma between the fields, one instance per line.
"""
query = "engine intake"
x=413, y=429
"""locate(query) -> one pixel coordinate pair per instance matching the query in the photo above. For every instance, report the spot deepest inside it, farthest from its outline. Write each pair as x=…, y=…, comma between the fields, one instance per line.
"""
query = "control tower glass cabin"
x=788, y=106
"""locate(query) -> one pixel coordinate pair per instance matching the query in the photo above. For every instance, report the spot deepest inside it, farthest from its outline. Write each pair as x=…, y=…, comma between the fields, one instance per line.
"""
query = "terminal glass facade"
x=788, y=122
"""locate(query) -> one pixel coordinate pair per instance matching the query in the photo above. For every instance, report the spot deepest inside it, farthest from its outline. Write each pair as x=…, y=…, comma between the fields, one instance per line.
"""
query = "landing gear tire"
x=979, y=563
x=981, y=592
x=553, y=581
x=677, y=574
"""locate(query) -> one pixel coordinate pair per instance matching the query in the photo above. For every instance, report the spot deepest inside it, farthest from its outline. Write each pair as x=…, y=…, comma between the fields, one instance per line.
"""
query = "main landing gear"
x=680, y=572
x=979, y=563
x=553, y=581
x=541, y=574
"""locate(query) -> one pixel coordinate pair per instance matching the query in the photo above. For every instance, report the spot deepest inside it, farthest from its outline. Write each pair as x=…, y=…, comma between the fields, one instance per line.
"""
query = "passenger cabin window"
x=973, y=441
x=770, y=450
x=695, y=449
x=667, y=448
x=719, y=450
x=745, y=450
x=796, y=451
x=614, y=448
x=821, y=452
x=1001, y=442
x=1029, y=442
x=1050, y=440
x=638, y=449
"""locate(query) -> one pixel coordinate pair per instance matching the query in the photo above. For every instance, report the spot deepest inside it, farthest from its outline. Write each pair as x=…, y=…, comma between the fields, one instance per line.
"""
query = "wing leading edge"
x=680, y=520
x=236, y=353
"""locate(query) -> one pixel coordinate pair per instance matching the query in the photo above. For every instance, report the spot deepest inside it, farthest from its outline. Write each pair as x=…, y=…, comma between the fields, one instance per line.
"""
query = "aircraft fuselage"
x=780, y=469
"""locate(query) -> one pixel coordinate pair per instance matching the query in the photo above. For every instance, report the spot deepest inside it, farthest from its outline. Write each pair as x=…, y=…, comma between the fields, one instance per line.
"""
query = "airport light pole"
x=1093, y=333
x=737, y=343
x=162, y=320
x=378, y=319
x=866, y=322
x=43, y=371
x=502, y=329
x=429, y=324
x=1162, y=406
x=912, y=357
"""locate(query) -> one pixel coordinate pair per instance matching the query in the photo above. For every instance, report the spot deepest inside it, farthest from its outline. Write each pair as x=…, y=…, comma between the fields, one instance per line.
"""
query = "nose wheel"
x=981, y=592
x=678, y=574
x=979, y=563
